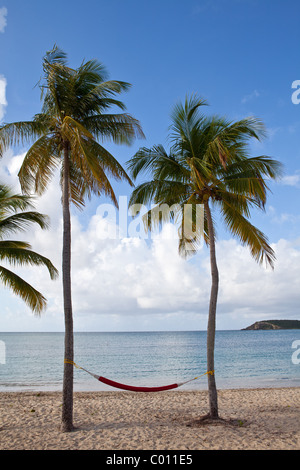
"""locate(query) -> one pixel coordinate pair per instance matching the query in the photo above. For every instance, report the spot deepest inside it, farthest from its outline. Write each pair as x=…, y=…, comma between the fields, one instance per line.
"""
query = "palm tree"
x=66, y=135
x=13, y=218
x=209, y=165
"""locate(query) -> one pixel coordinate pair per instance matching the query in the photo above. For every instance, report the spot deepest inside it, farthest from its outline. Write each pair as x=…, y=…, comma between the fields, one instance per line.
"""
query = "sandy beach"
x=267, y=419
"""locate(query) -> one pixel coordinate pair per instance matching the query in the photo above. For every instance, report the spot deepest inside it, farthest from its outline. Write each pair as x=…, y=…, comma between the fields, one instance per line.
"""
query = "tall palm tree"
x=66, y=135
x=14, y=217
x=209, y=165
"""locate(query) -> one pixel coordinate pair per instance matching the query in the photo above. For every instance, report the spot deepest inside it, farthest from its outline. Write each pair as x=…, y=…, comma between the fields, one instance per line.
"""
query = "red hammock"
x=137, y=389
x=132, y=388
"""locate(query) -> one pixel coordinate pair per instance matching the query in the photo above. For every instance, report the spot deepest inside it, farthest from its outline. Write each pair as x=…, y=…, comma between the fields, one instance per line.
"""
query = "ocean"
x=243, y=359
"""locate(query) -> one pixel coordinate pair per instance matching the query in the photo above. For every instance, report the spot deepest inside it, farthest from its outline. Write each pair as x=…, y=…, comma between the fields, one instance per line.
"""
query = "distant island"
x=274, y=325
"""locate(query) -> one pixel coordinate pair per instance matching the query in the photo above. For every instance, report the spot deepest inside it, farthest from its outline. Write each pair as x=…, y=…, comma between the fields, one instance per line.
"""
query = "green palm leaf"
x=19, y=253
x=33, y=298
x=22, y=221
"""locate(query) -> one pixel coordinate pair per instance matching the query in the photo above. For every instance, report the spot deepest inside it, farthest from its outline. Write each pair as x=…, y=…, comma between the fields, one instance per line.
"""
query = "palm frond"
x=11, y=203
x=17, y=253
x=21, y=221
x=159, y=162
x=91, y=164
x=39, y=165
x=160, y=192
x=248, y=235
x=19, y=133
x=106, y=161
x=263, y=166
x=185, y=117
x=87, y=177
x=55, y=56
x=33, y=298
x=120, y=128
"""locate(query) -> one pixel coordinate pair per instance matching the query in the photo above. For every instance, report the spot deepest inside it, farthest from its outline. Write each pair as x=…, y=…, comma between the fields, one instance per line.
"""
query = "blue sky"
x=240, y=55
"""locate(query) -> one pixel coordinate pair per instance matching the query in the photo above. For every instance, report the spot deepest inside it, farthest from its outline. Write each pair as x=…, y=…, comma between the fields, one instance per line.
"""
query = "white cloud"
x=250, y=97
x=273, y=131
x=3, y=22
x=261, y=292
x=126, y=276
x=115, y=279
x=3, y=102
x=283, y=217
x=133, y=284
x=9, y=168
x=291, y=180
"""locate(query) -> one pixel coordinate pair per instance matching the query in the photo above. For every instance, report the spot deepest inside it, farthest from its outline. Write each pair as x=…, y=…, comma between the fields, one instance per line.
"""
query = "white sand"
x=269, y=419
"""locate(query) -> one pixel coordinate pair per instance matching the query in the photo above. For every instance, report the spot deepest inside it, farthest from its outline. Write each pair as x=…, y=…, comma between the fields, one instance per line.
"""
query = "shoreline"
x=176, y=390
x=98, y=387
x=268, y=418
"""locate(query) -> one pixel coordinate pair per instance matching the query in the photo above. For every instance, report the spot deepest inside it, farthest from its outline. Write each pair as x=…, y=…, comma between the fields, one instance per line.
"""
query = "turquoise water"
x=243, y=359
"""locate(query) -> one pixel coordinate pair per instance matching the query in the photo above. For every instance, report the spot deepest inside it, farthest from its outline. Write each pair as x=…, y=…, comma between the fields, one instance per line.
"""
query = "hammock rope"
x=132, y=388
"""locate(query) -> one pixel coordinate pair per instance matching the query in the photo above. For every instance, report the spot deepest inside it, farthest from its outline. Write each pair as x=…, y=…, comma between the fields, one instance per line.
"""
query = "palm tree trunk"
x=211, y=325
x=67, y=406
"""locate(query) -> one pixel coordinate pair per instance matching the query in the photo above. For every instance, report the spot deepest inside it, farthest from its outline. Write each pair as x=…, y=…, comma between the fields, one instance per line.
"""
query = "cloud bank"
x=131, y=284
